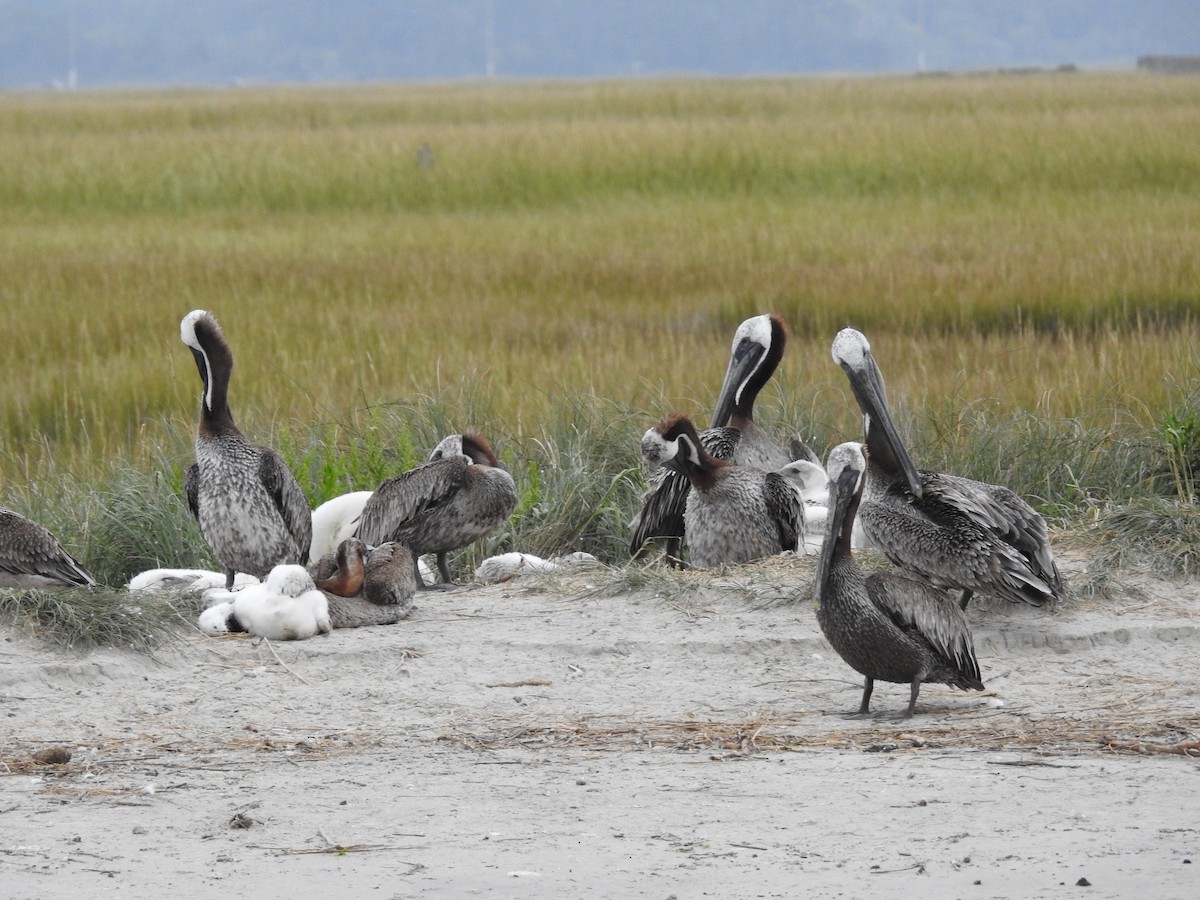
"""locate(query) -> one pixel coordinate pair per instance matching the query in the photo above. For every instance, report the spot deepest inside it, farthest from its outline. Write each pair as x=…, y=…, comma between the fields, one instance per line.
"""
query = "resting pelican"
x=389, y=578
x=342, y=572
x=885, y=626
x=31, y=557
x=757, y=349
x=285, y=607
x=734, y=513
x=184, y=580
x=956, y=532
x=458, y=498
x=247, y=502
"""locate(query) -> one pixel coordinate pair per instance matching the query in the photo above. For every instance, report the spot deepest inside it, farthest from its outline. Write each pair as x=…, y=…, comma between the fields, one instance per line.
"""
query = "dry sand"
x=535, y=739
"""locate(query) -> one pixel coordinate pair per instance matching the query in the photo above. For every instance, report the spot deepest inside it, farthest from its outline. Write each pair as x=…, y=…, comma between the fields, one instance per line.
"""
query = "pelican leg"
x=868, y=686
x=912, y=697
x=229, y=574
x=445, y=585
x=965, y=599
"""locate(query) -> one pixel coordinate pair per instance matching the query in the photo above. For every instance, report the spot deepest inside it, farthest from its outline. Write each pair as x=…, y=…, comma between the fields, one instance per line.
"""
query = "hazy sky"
x=109, y=42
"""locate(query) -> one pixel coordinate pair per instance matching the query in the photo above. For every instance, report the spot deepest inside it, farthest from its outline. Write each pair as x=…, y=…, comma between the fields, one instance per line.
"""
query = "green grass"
x=1020, y=251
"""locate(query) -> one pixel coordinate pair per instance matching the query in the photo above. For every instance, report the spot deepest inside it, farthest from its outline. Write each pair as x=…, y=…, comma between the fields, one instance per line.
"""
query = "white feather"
x=184, y=580
x=286, y=607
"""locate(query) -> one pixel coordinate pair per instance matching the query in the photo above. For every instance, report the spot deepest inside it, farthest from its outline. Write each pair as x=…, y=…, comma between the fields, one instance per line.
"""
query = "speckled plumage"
x=442, y=505
x=953, y=531
x=734, y=514
x=250, y=508
x=757, y=348
x=389, y=578
x=31, y=557
x=885, y=626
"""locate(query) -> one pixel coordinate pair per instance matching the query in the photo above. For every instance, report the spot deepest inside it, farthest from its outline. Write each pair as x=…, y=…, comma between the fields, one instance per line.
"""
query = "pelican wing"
x=1006, y=517
x=27, y=548
x=191, y=490
x=404, y=496
x=288, y=498
x=785, y=508
x=927, y=615
x=661, y=515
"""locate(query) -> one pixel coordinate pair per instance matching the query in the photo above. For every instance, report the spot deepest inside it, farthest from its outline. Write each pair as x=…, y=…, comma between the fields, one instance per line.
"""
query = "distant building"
x=1171, y=65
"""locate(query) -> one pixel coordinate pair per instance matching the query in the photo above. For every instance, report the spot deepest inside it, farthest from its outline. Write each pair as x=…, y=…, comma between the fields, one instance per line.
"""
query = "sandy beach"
x=547, y=737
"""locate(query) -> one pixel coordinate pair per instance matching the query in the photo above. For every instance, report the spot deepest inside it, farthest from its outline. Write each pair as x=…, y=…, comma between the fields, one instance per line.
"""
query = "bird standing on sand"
x=249, y=506
x=884, y=626
x=458, y=497
x=957, y=533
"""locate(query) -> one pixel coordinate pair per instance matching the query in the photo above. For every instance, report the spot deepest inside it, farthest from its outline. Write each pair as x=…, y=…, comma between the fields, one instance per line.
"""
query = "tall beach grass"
x=1020, y=251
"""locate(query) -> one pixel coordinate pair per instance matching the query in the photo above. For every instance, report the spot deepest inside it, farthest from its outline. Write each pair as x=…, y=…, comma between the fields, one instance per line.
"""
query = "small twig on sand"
x=282, y=663
x=920, y=867
x=527, y=682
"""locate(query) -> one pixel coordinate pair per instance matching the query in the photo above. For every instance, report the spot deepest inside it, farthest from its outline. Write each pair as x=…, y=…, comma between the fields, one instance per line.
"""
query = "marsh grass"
x=1021, y=253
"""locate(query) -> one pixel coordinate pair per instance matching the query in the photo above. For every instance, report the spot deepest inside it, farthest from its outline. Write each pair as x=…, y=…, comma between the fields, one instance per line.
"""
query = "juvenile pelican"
x=31, y=557
x=884, y=626
x=450, y=502
x=757, y=349
x=342, y=572
x=956, y=532
x=285, y=607
x=389, y=579
x=248, y=504
x=734, y=513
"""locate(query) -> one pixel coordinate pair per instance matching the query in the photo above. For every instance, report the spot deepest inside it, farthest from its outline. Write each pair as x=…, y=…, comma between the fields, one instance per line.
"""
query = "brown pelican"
x=956, y=532
x=757, y=349
x=450, y=502
x=285, y=607
x=884, y=626
x=390, y=579
x=342, y=572
x=734, y=513
x=248, y=504
x=31, y=557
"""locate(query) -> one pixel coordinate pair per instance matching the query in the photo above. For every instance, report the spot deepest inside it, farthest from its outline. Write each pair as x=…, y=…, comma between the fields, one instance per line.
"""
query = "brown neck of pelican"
x=476, y=446
x=692, y=459
x=750, y=368
x=215, y=363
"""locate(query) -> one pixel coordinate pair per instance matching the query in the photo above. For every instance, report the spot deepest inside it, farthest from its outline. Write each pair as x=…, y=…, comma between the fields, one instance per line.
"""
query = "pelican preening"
x=31, y=557
x=757, y=348
x=734, y=513
x=955, y=532
x=457, y=498
x=343, y=571
x=884, y=626
x=247, y=502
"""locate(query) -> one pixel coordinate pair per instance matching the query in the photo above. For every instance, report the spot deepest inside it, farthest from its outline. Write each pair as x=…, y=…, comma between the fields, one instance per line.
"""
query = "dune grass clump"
x=1155, y=533
x=87, y=618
